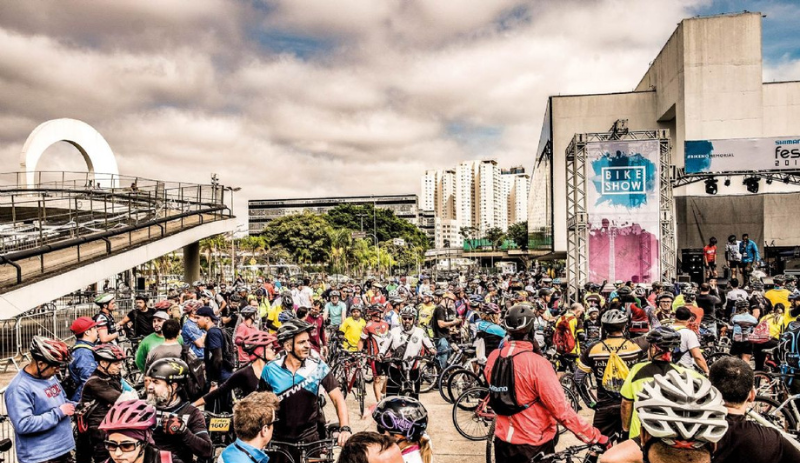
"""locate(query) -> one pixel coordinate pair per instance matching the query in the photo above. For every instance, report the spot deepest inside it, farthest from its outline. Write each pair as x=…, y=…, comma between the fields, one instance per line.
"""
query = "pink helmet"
x=130, y=414
x=491, y=309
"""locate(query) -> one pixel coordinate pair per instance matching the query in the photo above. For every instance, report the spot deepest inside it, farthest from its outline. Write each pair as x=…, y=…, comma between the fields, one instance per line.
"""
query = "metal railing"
x=68, y=210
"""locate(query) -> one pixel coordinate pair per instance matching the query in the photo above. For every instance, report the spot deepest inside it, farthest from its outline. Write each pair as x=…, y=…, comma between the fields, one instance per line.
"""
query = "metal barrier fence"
x=6, y=430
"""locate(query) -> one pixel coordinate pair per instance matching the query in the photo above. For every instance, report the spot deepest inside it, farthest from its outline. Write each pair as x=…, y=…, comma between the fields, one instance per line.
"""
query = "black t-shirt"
x=444, y=314
x=195, y=442
x=749, y=442
x=242, y=382
x=142, y=322
x=708, y=302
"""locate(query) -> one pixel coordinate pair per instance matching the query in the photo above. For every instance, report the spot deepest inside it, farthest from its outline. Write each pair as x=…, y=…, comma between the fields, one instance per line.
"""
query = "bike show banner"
x=623, y=204
x=742, y=154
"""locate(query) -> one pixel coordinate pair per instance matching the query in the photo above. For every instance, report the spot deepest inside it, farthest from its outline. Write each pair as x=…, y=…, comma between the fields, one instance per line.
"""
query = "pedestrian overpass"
x=63, y=231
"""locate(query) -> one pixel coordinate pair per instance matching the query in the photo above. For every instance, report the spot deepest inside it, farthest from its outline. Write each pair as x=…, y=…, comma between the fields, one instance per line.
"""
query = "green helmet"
x=104, y=299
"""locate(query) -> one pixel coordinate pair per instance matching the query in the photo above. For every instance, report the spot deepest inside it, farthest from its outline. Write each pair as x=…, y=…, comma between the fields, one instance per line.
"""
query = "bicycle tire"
x=766, y=385
x=716, y=356
x=460, y=381
x=768, y=409
x=442, y=381
x=466, y=421
x=339, y=375
x=490, y=444
x=427, y=376
x=361, y=391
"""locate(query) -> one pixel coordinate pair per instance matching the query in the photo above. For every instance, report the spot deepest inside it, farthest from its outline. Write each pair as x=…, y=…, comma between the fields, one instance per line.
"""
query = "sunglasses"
x=128, y=446
x=408, y=318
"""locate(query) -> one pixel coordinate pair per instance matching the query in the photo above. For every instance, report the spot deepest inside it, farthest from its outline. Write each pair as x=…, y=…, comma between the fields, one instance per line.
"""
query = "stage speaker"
x=692, y=264
x=140, y=284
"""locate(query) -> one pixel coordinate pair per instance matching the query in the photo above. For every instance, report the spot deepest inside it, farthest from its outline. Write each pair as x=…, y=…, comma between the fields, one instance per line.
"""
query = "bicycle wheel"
x=366, y=372
x=341, y=378
x=769, y=410
x=427, y=375
x=716, y=356
x=460, y=381
x=490, y=444
x=767, y=385
x=361, y=391
x=470, y=416
x=443, y=380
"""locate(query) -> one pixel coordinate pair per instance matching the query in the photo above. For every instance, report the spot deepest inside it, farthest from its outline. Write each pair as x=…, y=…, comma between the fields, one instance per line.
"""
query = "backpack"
x=760, y=334
x=502, y=387
x=563, y=339
x=229, y=354
x=195, y=384
x=639, y=321
x=616, y=370
x=68, y=383
x=789, y=345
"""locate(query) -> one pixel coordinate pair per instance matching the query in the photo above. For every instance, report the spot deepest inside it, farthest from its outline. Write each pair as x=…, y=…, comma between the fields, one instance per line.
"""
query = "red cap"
x=81, y=325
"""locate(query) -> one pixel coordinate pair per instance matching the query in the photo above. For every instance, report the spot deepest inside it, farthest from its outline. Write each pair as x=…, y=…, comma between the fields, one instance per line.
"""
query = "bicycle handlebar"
x=568, y=452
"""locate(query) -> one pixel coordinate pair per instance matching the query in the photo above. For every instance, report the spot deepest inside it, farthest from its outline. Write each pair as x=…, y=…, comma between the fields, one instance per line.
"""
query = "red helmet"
x=109, y=352
x=130, y=414
x=163, y=305
x=258, y=339
x=51, y=351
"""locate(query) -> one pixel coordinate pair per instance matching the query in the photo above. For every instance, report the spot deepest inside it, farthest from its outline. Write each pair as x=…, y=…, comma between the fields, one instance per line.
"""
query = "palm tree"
x=341, y=240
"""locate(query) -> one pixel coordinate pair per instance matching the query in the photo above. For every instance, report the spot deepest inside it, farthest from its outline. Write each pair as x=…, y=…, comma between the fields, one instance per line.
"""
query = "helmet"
x=257, y=339
x=359, y=307
x=129, y=414
x=491, y=309
x=519, y=319
x=665, y=295
x=110, y=352
x=191, y=305
x=207, y=294
x=142, y=297
x=685, y=287
x=680, y=407
x=757, y=284
x=393, y=294
x=249, y=310
x=689, y=295
x=795, y=295
x=163, y=305
x=50, y=351
x=664, y=337
x=618, y=283
x=241, y=289
x=439, y=293
x=614, y=317
x=286, y=301
x=104, y=299
x=741, y=304
x=427, y=294
x=405, y=416
x=779, y=280
x=292, y=328
x=170, y=370
x=198, y=283
x=640, y=291
x=544, y=292
x=408, y=311
x=477, y=298
x=624, y=291
x=335, y=294
x=373, y=309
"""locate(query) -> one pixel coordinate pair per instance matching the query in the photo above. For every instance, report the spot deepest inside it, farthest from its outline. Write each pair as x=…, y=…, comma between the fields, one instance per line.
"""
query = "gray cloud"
x=313, y=97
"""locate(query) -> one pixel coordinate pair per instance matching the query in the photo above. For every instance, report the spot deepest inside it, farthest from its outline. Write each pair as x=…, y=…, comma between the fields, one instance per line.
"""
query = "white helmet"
x=680, y=407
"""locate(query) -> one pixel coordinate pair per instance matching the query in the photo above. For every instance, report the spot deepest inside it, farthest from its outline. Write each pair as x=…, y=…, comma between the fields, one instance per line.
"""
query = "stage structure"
x=620, y=223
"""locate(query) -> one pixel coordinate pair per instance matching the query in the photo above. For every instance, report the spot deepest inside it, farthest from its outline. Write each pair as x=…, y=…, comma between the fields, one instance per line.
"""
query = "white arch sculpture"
x=94, y=148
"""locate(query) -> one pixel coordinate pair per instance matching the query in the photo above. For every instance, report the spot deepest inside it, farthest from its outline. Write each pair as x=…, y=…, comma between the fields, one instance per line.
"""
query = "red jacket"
x=535, y=378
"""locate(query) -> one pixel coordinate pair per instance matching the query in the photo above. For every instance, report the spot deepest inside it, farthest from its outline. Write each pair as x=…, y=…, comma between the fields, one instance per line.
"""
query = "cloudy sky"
x=306, y=98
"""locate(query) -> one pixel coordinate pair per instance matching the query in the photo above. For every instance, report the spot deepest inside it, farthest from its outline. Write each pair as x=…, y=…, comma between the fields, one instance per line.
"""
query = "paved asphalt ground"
x=448, y=445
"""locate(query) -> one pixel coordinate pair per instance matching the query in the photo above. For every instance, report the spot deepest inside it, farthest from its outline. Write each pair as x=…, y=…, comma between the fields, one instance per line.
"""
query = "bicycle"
x=407, y=385
x=460, y=380
x=349, y=372
x=571, y=454
x=323, y=448
x=131, y=372
x=463, y=357
x=785, y=416
x=220, y=429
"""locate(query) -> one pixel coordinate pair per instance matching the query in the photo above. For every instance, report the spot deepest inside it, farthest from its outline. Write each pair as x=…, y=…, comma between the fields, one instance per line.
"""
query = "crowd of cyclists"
x=233, y=373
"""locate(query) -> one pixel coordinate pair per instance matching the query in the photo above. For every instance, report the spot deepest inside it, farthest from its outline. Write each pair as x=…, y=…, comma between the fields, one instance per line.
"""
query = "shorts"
x=379, y=368
x=742, y=348
x=733, y=264
x=521, y=453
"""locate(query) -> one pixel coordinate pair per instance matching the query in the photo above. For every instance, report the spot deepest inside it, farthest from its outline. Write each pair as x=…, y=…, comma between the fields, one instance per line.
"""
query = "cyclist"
x=374, y=337
x=260, y=349
x=83, y=363
x=443, y=323
x=128, y=431
x=183, y=430
x=663, y=341
x=407, y=341
x=689, y=353
x=663, y=312
x=592, y=326
x=352, y=327
x=141, y=317
x=100, y=392
x=710, y=258
x=683, y=418
x=38, y=407
x=278, y=313
x=335, y=310
x=750, y=256
x=217, y=369
x=152, y=340
x=405, y=419
x=595, y=359
x=370, y=447
x=425, y=311
x=593, y=298
x=778, y=294
x=519, y=437
x=247, y=327
x=319, y=338
x=106, y=326
x=191, y=332
x=792, y=312
x=639, y=320
x=743, y=324
x=733, y=256
x=254, y=419
x=296, y=377
x=489, y=334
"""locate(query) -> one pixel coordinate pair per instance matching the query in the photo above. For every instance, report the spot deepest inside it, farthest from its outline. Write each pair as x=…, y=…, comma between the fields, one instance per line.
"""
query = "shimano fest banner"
x=623, y=210
x=742, y=154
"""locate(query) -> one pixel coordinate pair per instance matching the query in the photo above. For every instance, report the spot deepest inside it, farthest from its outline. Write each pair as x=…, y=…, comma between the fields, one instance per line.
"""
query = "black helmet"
x=142, y=297
x=286, y=301
x=665, y=295
x=664, y=337
x=292, y=328
x=624, y=291
x=519, y=319
x=403, y=416
x=544, y=292
x=741, y=304
x=439, y=293
x=171, y=370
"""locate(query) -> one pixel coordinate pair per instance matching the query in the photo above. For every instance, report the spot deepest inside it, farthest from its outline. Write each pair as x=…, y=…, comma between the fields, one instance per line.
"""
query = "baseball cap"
x=207, y=311
x=161, y=314
x=81, y=325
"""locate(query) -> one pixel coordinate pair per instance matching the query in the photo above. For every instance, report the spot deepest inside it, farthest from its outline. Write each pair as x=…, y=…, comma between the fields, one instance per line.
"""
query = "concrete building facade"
x=705, y=84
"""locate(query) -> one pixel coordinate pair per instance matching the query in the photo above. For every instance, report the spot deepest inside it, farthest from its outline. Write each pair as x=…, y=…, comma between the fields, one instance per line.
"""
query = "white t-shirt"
x=688, y=342
x=304, y=297
x=416, y=339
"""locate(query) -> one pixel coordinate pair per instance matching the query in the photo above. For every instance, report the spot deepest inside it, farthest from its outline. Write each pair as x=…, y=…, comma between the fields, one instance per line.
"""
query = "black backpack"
x=195, y=383
x=229, y=354
x=502, y=387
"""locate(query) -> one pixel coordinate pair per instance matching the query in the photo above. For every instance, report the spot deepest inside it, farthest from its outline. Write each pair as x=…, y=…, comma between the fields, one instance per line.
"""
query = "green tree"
x=388, y=225
x=518, y=233
x=468, y=234
x=495, y=236
x=305, y=236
